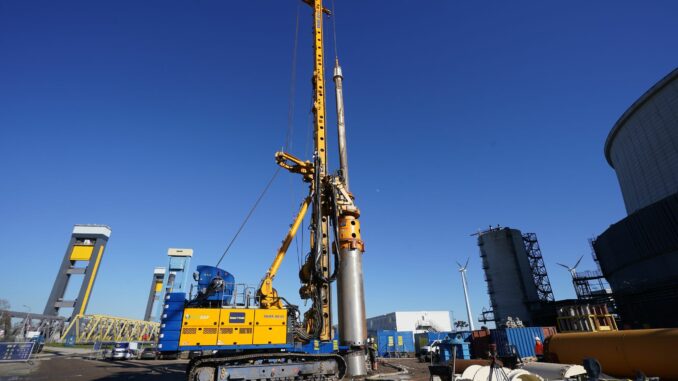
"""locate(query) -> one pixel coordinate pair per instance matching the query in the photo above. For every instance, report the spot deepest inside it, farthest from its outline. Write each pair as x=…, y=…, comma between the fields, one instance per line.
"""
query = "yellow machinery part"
x=81, y=252
x=270, y=326
x=201, y=317
x=621, y=353
x=236, y=327
x=158, y=286
x=239, y=326
x=200, y=326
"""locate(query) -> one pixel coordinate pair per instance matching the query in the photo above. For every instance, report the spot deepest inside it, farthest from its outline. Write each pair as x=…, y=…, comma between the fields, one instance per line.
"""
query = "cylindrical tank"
x=508, y=274
x=642, y=146
x=552, y=371
x=620, y=353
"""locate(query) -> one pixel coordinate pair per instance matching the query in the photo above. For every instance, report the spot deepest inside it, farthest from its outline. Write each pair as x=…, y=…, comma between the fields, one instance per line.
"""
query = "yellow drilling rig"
x=243, y=333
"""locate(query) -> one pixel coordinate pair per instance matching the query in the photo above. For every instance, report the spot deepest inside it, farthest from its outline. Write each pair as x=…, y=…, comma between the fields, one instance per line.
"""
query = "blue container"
x=395, y=344
x=207, y=274
x=520, y=340
x=404, y=343
x=448, y=348
x=385, y=342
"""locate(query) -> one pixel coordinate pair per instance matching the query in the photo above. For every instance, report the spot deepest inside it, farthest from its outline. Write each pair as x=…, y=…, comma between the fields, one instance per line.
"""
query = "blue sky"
x=161, y=118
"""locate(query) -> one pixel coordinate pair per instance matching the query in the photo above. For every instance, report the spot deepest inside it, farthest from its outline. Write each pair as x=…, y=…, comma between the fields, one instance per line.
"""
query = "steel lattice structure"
x=91, y=328
x=50, y=326
x=539, y=275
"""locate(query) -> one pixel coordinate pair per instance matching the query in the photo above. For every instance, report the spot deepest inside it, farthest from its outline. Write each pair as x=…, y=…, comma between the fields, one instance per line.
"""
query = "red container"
x=480, y=344
x=548, y=331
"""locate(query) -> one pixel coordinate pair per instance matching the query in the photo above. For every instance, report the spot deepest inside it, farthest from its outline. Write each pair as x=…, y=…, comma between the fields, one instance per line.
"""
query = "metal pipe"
x=351, y=308
x=350, y=290
x=341, y=124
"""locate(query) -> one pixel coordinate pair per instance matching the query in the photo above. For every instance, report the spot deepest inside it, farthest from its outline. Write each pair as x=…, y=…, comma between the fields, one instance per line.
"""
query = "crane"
x=245, y=333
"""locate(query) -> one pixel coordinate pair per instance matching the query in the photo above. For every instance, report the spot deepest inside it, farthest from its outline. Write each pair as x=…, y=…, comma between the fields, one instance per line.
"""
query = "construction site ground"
x=76, y=364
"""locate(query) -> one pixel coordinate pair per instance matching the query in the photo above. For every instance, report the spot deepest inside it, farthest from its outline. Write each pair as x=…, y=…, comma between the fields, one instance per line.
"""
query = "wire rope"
x=249, y=214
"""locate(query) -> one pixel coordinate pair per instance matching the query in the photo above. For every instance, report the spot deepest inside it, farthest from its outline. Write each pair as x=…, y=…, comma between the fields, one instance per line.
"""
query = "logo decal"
x=236, y=317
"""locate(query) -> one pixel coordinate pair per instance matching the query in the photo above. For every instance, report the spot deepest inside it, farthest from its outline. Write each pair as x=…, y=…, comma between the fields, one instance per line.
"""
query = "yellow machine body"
x=621, y=353
x=233, y=326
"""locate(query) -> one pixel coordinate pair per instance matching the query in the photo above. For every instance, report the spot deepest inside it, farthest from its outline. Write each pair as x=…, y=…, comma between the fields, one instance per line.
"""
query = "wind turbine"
x=462, y=270
x=573, y=269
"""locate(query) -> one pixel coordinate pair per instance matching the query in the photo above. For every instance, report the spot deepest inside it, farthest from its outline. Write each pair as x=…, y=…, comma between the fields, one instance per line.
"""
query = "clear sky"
x=161, y=119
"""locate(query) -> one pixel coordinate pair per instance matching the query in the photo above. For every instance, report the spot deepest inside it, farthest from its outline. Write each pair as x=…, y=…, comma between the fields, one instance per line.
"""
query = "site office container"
x=404, y=343
x=395, y=344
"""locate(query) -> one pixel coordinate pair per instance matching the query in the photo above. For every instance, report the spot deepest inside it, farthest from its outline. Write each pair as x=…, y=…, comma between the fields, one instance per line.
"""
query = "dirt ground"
x=402, y=369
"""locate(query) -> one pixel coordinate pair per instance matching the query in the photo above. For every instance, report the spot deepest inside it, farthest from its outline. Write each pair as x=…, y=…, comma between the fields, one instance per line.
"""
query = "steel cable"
x=268, y=185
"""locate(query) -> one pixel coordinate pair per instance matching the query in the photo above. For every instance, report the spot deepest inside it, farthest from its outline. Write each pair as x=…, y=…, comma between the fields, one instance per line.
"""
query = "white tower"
x=462, y=270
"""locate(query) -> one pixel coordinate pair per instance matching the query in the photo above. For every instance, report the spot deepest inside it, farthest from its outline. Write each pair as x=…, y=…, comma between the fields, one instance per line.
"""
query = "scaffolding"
x=539, y=275
x=585, y=318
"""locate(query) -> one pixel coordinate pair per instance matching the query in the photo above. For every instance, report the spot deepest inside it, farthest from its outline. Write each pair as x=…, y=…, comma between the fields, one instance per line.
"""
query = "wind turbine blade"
x=577, y=264
x=560, y=264
x=467, y=259
x=460, y=266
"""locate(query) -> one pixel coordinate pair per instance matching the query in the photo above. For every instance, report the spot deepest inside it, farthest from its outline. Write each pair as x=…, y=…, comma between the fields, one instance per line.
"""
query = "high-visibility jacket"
x=538, y=348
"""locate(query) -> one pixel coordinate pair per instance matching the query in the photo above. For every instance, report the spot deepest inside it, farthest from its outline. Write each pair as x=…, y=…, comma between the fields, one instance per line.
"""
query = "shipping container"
x=480, y=344
x=548, y=331
x=520, y=339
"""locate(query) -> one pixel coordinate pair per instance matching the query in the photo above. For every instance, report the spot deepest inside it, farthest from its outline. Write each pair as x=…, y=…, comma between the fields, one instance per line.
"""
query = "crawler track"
x=268, y=366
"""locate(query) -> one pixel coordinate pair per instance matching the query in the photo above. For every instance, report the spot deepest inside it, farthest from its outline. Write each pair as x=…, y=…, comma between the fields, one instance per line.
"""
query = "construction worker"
x=538, y=348
x=372, y=351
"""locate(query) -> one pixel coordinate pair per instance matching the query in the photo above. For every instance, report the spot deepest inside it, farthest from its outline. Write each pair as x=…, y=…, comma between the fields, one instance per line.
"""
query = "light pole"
x=462, y=270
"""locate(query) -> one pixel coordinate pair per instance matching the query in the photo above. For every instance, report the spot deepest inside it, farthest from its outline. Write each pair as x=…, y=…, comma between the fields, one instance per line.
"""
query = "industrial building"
x=516, y=277
x=639, y=254
x=415, y=321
